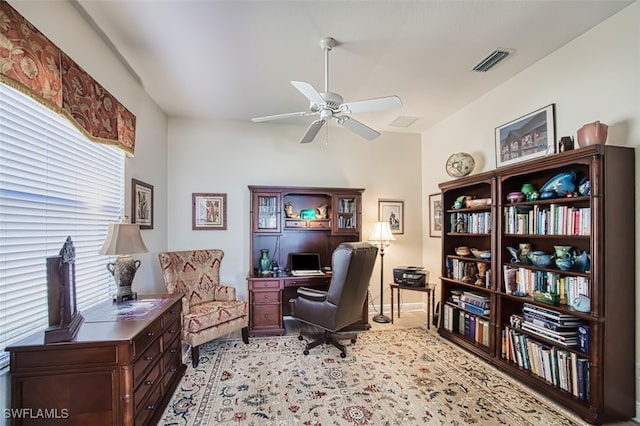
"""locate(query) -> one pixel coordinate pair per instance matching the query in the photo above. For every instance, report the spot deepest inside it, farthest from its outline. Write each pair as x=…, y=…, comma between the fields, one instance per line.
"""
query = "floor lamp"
x=381, y=236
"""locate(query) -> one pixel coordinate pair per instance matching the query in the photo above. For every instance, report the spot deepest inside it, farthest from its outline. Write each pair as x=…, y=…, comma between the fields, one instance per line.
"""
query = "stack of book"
x=476, y=303
x=551, y=325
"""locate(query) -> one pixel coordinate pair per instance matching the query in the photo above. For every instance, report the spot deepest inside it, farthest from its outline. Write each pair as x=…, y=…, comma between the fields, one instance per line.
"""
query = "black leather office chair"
x=341, y=305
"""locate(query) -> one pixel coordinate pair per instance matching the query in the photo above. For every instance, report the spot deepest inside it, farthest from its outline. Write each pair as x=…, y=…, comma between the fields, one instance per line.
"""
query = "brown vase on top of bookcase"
x=568, y=314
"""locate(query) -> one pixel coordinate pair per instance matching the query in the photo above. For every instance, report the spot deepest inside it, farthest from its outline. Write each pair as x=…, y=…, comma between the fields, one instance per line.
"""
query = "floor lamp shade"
x=123, y=240
x=381, y=236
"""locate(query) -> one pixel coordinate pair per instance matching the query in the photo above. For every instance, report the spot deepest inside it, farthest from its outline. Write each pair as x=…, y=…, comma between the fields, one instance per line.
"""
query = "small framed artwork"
x=393, y=211
x=435, y=215
x=527, y=137
x=209, y=212
x=142, y=204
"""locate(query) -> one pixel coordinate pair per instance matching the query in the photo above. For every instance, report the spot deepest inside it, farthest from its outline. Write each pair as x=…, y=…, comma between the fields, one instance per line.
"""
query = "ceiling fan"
x=330, y=105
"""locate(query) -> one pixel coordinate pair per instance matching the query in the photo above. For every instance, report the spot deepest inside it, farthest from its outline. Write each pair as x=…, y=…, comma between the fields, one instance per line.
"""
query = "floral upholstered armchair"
x=209, y=309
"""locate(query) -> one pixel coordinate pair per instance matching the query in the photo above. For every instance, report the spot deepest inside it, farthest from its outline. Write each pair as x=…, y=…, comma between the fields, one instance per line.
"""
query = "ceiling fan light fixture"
x=491, y=60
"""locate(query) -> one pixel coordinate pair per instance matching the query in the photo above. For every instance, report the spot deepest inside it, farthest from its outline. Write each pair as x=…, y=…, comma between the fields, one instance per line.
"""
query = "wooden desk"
x=269, y=301
x=429, y=289
x=121, y=369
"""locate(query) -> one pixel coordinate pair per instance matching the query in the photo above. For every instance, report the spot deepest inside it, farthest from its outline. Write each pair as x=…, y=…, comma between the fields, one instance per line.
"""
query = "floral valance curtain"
x=29, y=62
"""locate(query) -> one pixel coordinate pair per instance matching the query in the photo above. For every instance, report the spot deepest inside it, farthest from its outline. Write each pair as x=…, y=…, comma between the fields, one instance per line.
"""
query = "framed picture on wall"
x=209, y=212
x=392, y=211
x=435, y=215
x=142, y=204
x=527, y=137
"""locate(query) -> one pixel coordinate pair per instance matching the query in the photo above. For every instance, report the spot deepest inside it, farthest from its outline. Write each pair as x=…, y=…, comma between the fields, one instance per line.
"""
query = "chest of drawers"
x=121, y=369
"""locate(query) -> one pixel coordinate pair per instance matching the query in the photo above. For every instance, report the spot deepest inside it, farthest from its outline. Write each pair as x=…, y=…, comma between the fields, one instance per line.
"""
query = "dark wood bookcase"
x=338, y=219
x=604, y=389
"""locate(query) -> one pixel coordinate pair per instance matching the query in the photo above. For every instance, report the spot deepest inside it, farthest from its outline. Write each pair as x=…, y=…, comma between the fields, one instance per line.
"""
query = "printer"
x=414, y=276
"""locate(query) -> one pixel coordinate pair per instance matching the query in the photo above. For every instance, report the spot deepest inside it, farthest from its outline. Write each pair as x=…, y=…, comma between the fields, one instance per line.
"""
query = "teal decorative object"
x=265, y=263
x=561, y=183
x=307, y=214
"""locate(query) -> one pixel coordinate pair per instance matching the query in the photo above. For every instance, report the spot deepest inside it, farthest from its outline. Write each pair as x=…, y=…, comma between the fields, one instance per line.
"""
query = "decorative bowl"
x=564, y=263
x=549, y=193
x=515, y=197
x=477, y=202
x=546, y=297
x=540, y=258
x=462, y=251
x=561, y=183
x=481, y=254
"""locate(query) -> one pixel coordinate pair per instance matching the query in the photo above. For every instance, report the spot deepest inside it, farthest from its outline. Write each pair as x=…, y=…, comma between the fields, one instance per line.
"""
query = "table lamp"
x=123, y=240
x=381, y=236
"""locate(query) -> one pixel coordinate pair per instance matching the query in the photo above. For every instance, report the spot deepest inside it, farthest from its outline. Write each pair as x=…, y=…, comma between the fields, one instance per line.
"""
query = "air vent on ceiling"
x=490, y=61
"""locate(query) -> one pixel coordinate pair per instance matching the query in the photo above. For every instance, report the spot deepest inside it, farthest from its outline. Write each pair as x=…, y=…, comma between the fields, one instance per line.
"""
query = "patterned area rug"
x=395, y=377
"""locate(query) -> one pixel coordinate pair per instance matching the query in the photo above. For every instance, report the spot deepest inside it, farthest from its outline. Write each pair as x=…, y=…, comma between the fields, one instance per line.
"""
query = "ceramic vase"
x=265, y=263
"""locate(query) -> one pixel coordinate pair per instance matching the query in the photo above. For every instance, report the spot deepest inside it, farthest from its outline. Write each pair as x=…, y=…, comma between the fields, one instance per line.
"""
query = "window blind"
x=54, y=183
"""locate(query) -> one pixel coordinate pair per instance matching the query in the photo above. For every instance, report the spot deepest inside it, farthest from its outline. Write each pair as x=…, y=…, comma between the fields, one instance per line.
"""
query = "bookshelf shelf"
x=580, y=351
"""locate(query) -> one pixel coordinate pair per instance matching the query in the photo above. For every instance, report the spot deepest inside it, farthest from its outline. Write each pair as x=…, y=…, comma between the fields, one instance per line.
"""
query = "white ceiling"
x=234, y=60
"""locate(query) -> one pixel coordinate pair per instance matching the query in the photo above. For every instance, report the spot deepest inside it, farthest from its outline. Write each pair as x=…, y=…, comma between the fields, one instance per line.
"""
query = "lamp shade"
x=123, y=238
x=381, y=233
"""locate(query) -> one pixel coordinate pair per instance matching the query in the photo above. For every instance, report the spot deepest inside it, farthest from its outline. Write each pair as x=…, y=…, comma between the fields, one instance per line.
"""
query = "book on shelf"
x=569, y=341
x=476, y=299
x=548, y=323
x=473, y=308
x=583, y=338
x=560, y=318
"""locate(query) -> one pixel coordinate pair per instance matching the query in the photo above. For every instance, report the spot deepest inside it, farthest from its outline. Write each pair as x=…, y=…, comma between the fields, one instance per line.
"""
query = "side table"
x=428, y=288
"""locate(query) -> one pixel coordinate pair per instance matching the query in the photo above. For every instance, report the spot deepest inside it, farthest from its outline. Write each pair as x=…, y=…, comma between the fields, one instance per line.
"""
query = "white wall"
x=65, y=27
x=226, y=157
x=595, y=77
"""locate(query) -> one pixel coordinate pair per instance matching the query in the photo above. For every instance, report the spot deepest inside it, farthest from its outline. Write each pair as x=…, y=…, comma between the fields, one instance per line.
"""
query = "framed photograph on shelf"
x=527, y=137
x=392, y=211
x=142, y=204
x=435, y=215
x=209, y=212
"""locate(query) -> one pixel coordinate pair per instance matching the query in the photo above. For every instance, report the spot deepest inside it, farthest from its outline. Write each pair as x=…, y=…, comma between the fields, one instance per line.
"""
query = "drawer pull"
x=266, y=315
x=266, y=297
x=150, y=334
x=173, y=351
x=174, y=312
x=173, y=331
x=149, y=357
x=150, y=407
x=173, y=369
x=149, y=382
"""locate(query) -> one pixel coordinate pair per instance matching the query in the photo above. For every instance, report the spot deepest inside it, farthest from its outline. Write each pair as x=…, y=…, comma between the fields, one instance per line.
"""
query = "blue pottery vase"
x=265, y=263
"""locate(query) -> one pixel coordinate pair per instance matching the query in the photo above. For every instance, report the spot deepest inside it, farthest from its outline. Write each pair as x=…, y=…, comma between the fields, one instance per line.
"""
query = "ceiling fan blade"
x=354, y=125
x=279, y=116
x=312, y=131
x=388, y=102
x=309, y=92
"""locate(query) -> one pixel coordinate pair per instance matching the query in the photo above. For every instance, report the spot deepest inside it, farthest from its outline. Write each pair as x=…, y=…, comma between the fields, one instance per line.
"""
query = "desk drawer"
x=172, y=314
x=268, y=297
x=308, y=282
x=146, y=361
x=142, y=340
x=150, y=382
x=265, y=315
x=170, y=333
x=148, y=407
x=258, y=285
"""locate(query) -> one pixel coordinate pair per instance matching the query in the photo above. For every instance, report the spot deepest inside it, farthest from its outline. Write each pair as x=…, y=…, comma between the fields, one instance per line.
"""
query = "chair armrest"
x=224, y=293
x=185, y=306
x=312, y=294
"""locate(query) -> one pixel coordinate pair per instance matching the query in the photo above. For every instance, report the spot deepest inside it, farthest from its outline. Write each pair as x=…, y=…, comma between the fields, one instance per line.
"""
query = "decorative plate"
x=561, y=183
x=460, y=164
